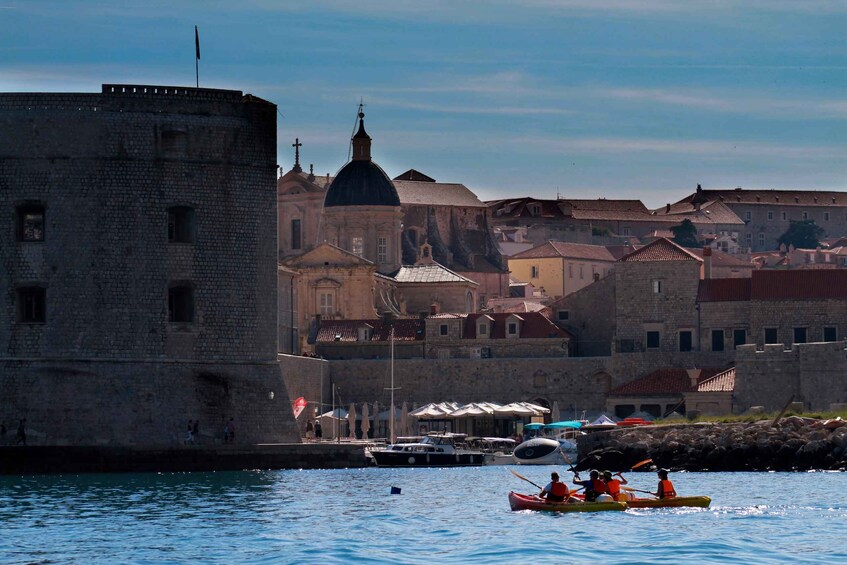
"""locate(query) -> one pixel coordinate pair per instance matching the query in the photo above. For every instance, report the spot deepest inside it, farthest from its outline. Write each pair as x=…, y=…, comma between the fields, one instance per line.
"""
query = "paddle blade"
x=641, y=464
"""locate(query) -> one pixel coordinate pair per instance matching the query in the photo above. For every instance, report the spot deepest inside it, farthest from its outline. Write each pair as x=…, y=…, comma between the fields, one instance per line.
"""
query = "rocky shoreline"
x=792, y=444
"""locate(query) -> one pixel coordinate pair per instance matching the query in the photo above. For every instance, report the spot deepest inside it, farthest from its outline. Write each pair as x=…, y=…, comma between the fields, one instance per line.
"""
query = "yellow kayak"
x=529, y=502
x=675, y=502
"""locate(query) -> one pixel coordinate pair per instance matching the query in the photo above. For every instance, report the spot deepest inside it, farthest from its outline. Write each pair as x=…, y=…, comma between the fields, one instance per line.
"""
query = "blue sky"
x=583, y=98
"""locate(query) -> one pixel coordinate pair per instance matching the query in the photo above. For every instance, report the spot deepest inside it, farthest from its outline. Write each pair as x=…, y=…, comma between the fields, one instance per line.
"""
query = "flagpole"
x=197, y=56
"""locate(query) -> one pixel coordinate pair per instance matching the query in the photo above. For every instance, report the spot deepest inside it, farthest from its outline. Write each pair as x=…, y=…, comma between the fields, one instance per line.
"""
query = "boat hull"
x=676, y=502
x=540, y=451
x=406, y=459
x=525, y=502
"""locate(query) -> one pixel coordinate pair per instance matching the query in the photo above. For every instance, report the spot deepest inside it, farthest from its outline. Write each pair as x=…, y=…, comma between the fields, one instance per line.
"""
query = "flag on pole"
x=298, y=407
x=197, y=42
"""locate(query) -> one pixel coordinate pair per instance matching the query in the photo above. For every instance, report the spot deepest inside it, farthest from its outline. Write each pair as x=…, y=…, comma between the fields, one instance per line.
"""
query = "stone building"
x=665, y=391
x=562, y=268
x=139, y=241
x=604, y=221
x=767, y=214
x=408, y=246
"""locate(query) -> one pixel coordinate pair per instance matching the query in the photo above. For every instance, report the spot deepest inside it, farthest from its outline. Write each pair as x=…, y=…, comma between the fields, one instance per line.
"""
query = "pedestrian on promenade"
x=319, y=432
x=310, y=433
x=21, y=435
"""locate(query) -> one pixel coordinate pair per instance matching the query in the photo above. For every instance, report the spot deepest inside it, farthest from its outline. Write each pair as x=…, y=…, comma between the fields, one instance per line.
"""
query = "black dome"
x=361, y=183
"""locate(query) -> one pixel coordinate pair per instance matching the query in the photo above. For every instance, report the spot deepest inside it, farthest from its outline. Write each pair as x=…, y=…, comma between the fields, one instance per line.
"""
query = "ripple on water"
x=443, y=515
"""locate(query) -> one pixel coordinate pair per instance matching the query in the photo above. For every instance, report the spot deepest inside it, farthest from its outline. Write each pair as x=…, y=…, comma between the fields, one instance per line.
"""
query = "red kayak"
x=531, y=502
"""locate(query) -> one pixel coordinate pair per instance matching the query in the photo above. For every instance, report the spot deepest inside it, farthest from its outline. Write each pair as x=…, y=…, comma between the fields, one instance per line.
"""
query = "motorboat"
x=434, y=450
x=497, y=450
x=545, y=451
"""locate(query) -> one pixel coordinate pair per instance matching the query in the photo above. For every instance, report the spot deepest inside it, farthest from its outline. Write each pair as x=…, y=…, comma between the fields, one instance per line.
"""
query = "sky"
x=633, y=99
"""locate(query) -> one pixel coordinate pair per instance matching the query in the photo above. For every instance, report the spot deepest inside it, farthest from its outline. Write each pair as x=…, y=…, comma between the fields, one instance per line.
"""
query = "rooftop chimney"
x=667, y=208
x=693, y=375
x=707, y=262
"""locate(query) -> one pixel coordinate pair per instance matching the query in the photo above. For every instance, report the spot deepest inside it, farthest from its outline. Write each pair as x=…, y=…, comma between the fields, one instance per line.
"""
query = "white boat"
x=497, y=450
x=545, y=451
x=434, y=450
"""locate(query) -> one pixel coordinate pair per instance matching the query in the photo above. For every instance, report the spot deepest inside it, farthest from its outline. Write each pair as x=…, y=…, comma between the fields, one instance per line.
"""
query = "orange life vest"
x=614, y=487
x=599, y=486
x=560, y=490
x=667, y=489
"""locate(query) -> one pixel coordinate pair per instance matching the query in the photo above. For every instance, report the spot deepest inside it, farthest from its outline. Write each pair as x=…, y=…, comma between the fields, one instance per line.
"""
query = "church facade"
x=407, y=246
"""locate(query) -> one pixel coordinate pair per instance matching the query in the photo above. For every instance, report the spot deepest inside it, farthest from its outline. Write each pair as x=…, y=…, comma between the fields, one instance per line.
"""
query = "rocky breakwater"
x=792, y=444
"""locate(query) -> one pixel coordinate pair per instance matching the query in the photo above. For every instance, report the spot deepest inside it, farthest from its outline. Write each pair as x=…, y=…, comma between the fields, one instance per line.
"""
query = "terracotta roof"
x=724, y=290
x=662, y=249
x=436, y=194
x=663, y=381
x=533, y=325
x=771, y=197
x=712, y=211
x=799, y=284
x=619, y=251
x=521, y=208
x=429, y=273
x=446, y=316
x=721, y=259
x=405, y=329
x=569, y=250
x=722, y=382
x=412, y=174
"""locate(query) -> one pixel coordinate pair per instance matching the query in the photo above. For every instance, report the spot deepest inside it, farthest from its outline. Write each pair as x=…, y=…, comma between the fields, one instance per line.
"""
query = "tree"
x=804, y=234
x=685, y=234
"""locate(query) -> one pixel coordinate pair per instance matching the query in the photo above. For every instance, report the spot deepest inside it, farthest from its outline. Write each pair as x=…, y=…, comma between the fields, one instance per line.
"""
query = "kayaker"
x=555, y=491
x=665, y=489
x=594, y=486
x=614, y=485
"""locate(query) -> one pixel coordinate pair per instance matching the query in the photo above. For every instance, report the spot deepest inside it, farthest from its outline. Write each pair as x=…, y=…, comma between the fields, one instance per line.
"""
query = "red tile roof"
x=533, y=325
x=662, y=249
x=721, y=259
x=663, y=381
x=569, y=250
x=771, y=197
x=405, y=329
x=799, y=284
x=722, y=382
x=724, y=290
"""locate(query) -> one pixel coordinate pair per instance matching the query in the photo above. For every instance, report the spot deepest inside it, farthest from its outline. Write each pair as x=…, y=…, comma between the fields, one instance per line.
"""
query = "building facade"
x=140, y=245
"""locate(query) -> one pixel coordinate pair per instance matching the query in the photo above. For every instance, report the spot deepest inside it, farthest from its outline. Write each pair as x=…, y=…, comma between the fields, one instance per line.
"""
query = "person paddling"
x=555, y=491
x=665, y=488
x=594, y=486
x=614, y=485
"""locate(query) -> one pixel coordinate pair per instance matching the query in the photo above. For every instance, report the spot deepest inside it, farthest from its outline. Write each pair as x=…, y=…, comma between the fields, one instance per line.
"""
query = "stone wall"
x=106, y=363
x=590, y=318
x=144, y=403
x=815, y=373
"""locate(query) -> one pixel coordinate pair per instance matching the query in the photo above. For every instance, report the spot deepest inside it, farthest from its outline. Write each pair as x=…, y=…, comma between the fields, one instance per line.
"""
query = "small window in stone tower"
x=357, y=246
x=180, y=224
x=32, y=305
x=382, y=249
x=181, y=304
x=31, y=222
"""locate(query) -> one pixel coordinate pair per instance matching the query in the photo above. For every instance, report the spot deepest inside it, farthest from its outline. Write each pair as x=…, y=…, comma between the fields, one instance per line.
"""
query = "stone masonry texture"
x=106, y=364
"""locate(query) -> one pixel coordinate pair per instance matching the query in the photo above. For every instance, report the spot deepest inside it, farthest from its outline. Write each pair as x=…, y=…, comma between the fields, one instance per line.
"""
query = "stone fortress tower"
x=138, y=241
x=361, y=211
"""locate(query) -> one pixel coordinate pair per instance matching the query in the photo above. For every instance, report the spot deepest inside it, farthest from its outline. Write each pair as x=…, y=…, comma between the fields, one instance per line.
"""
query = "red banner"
x=299, y=405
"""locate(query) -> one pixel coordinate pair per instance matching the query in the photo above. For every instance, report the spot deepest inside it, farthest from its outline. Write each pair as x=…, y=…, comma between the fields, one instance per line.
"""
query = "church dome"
x=361, y=182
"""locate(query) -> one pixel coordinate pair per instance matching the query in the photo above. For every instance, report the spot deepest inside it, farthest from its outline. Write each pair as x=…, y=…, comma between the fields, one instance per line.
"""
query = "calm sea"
x=442, y=516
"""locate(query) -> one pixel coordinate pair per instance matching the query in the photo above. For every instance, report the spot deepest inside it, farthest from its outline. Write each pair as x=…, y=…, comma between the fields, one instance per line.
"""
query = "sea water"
x=453, y=515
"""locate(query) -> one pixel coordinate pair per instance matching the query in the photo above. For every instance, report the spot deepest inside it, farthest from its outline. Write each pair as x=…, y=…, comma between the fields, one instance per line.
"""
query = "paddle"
x=527, y=480
x=636, y=490
x=640, y=464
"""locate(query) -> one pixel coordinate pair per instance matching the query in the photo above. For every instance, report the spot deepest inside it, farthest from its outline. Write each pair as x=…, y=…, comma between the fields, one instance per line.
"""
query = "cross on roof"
x=297, y=145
